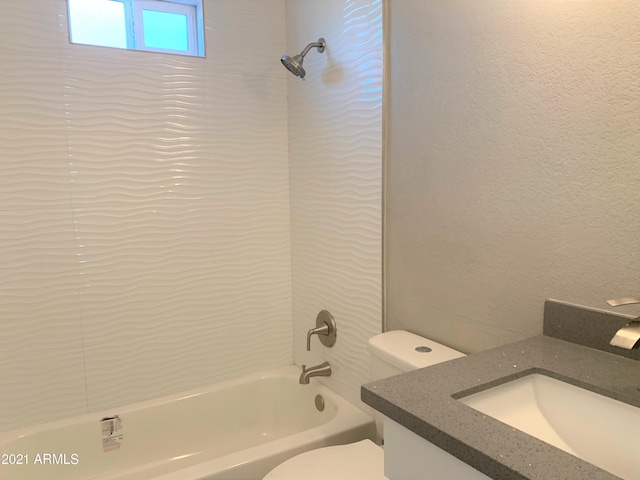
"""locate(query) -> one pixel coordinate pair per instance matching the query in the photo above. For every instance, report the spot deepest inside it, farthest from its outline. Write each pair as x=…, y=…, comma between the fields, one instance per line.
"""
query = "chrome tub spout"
x=322, y=370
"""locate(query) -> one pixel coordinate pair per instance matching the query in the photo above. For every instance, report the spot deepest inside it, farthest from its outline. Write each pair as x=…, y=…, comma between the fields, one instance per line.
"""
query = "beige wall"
x=513, y=166
x=144, y=204
x=335, y=145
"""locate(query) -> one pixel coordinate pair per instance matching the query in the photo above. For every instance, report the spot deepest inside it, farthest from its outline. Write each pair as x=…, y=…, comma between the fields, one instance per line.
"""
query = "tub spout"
x=322, y=370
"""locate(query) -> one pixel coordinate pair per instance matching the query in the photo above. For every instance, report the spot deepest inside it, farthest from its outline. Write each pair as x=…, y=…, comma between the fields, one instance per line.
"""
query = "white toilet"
x=391, y=353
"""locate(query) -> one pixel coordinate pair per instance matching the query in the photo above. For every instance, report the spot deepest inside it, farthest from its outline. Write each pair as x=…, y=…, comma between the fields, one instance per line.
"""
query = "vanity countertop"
x=423, y=402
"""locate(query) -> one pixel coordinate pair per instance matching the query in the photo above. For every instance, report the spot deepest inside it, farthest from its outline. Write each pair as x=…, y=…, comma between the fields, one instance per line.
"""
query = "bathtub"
x=235, y=430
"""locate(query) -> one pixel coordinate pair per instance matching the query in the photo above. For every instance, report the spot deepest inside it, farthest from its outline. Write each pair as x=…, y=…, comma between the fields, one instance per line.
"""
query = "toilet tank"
x=398, y=351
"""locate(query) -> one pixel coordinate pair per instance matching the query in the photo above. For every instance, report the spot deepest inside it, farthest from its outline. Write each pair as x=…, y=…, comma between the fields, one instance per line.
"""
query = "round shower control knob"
x=323, y=319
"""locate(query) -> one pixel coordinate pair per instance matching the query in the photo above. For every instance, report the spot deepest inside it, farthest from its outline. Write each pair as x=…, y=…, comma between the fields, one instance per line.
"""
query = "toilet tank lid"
x=398, y=348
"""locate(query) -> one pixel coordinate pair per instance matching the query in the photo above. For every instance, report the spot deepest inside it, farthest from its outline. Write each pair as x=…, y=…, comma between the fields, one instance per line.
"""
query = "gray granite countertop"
x=424, y=402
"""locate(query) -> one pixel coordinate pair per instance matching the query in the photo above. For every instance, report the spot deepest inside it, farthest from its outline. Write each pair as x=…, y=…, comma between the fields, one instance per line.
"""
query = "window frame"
x=179, y=8
x=134, y=24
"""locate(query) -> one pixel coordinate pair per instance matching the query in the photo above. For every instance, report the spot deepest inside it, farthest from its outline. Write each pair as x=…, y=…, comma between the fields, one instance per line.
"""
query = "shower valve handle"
x=325, y=329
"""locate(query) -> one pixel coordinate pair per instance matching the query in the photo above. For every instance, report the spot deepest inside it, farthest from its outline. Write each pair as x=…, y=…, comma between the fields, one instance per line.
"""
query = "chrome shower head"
x=294, y=64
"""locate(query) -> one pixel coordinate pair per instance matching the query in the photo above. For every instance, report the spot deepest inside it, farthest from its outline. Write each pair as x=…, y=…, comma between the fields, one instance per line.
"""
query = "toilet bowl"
x=363, y=460
x=391, y=353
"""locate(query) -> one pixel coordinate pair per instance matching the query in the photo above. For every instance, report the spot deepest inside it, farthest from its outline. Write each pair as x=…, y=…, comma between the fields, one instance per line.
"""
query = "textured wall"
x=513, y=166
x=144, y=203
x=335, y=156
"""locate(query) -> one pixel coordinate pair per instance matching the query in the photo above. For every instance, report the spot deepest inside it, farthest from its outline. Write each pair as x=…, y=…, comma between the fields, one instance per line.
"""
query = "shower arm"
x=320, y=45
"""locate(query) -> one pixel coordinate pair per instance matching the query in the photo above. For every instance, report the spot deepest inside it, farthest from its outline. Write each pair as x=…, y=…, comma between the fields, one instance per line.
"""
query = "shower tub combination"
x=235, y=430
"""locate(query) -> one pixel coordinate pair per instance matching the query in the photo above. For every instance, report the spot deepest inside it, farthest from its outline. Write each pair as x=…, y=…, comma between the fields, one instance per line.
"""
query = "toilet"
x=391, y=353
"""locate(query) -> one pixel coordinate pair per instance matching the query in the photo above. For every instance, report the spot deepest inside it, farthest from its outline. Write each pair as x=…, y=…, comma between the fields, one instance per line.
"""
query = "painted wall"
x=144, y=203
x=513, y=166
x=335, y=145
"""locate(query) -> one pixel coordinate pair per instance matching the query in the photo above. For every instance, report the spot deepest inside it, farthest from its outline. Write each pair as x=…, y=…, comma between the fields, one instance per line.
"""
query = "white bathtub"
x=235, y=430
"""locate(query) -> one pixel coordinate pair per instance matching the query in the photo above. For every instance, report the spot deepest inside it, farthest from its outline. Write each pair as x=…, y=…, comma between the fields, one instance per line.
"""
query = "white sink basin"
x=595, y=428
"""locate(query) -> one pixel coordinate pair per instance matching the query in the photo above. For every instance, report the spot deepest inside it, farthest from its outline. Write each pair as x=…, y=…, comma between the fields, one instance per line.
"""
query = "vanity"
x=464, y=419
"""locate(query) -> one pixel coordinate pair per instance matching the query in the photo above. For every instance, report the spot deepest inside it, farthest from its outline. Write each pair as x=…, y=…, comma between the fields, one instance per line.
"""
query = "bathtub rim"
x=286, y=371
x=348, y=421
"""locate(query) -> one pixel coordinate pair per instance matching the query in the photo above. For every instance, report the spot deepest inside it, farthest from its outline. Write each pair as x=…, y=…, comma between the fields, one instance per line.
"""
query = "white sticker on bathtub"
x=112, y=434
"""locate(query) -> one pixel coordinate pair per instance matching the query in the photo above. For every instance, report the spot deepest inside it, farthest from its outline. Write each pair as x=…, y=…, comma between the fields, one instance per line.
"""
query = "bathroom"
x=172, y=222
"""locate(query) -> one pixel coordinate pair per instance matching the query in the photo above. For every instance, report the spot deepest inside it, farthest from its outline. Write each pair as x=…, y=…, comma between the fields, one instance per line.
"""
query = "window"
x=168, y=26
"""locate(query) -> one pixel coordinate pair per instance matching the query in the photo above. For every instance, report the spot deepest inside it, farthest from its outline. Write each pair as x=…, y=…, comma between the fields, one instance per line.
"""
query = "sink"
x=595, y=428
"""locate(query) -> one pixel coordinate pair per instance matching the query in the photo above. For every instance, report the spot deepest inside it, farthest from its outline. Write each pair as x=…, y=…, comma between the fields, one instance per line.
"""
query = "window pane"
x=97, y=22
x=165, y=30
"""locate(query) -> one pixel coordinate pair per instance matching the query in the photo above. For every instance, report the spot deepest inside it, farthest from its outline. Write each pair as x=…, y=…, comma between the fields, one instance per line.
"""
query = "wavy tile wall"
x=335, y=133
x=145, y=204
x=41, y=366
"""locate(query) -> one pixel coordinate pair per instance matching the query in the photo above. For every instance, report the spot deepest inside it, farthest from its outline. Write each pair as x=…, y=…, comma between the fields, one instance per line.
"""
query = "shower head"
x=294, y=64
